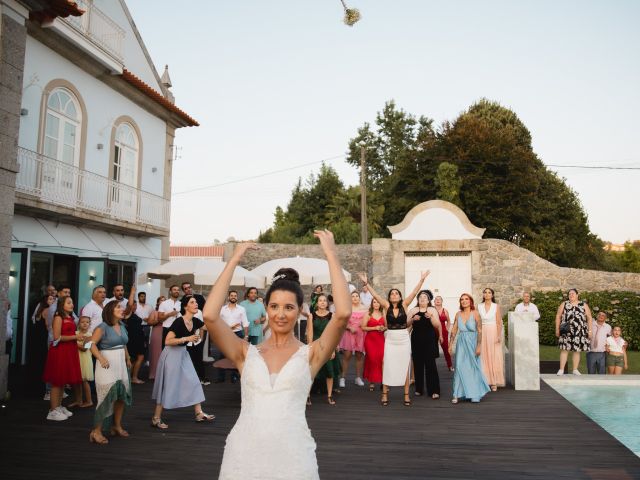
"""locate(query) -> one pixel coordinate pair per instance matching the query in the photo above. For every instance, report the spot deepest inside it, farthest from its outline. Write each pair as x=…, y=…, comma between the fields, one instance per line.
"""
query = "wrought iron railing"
x=98, y=27
x=58, y=183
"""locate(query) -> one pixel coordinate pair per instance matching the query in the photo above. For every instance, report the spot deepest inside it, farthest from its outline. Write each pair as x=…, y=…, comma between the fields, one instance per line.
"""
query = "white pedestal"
x=523, y=360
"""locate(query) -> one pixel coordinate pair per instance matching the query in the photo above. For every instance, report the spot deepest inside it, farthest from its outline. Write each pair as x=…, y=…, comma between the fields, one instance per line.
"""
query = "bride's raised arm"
x=382, y=301
x=229, y=344
x=324, y=346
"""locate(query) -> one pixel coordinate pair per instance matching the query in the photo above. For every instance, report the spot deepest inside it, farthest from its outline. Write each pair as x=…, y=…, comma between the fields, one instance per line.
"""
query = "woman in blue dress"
x=469, y=382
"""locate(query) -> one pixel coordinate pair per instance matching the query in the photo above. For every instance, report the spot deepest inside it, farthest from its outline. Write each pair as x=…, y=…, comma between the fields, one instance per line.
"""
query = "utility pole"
x=364, y=236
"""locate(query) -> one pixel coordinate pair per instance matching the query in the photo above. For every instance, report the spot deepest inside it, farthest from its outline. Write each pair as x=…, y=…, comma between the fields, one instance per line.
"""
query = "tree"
x=323, y=203
x=448, y=183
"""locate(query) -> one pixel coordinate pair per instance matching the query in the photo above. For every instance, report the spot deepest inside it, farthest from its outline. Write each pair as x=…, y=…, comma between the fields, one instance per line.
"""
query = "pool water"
x=616, y=408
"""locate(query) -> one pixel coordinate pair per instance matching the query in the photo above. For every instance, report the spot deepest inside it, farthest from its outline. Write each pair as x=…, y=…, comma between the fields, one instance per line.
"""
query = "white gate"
x=450, y=275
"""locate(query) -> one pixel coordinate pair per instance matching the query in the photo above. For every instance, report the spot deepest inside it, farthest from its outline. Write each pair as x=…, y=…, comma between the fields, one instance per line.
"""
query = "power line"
x=260, y=175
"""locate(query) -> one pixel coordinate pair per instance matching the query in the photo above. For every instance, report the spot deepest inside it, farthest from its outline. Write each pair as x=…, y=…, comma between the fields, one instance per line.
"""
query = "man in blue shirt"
x=256, y=315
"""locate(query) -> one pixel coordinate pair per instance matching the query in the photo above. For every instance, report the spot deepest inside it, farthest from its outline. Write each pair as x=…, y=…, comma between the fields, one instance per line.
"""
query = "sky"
x=280, y=86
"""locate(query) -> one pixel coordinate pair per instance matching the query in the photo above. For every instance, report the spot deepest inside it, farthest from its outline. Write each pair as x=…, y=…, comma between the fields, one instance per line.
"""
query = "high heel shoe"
x=119, y=432
x=384, y=400
x=93, y=438
x=407, y=400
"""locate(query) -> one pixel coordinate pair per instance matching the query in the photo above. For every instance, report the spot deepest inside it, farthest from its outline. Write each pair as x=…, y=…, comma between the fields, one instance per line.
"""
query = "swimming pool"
x=614, y=404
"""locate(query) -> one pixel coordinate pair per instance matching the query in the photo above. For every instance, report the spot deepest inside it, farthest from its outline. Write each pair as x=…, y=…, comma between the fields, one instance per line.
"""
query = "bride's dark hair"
x=286, y=279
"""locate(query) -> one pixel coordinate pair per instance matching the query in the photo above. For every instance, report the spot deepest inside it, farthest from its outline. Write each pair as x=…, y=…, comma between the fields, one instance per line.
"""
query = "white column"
x=523, y=361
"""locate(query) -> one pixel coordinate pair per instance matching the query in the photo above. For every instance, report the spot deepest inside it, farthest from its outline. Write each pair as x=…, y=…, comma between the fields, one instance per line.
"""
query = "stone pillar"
x=13, y=38
x=523, y=359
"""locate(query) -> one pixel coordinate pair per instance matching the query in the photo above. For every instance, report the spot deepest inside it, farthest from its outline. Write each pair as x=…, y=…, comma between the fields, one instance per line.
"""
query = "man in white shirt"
x=236, y=317
x=527, y=306
x=93, y=309
x=365, y=296
x=144, y=310
x=118, y=296
x=169, y=310
x=596, y=358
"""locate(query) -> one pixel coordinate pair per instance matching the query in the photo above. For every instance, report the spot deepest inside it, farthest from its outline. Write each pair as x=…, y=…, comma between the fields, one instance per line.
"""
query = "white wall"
x=434, y=224
x=134, y=58
x=103, y=107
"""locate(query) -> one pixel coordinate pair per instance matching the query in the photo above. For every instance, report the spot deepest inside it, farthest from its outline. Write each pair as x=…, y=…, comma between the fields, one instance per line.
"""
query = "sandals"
x=158, y=423
x=454, y=400
x=407, y=400
x=119, y=432
x=494, y=388
x=204, y=417
x=100, y=440
x=371, y=387
x=330, y=400
x=384, y=400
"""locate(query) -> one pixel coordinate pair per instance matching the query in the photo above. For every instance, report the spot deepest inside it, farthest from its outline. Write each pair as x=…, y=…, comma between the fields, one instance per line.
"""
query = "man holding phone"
x=169, y=310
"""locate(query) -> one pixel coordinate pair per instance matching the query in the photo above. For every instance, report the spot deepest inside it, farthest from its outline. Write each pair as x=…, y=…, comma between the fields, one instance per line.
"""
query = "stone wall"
x=13, y=37
x=499, y=264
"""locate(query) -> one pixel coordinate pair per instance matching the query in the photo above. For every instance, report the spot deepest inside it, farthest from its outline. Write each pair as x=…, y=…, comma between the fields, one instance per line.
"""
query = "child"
x=86, y=364
x=63, y=363
x=616, y=352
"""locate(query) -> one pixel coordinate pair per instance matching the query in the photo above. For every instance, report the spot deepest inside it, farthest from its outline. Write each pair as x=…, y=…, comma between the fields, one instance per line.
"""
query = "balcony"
x=57, y=190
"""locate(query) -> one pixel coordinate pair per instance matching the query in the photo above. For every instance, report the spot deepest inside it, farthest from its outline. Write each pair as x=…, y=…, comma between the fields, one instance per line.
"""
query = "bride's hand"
x=326, y=239
x=241, y=248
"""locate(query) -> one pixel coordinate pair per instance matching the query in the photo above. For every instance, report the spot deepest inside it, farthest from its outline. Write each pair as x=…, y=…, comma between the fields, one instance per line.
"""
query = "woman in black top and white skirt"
x=397, y=346
x=177, y=384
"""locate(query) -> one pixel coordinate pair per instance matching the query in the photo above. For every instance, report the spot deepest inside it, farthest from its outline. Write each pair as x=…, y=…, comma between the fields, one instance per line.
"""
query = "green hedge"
x=623, y=310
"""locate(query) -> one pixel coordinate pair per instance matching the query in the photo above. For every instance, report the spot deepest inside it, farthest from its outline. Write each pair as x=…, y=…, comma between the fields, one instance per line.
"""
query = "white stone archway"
x=435, y=220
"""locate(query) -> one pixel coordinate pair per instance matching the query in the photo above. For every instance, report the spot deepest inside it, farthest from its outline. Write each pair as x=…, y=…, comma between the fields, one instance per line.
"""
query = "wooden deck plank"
x=515, y=435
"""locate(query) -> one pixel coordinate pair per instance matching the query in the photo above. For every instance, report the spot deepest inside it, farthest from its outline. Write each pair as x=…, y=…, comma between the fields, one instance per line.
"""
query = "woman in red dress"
x=374, y=326
x=63, y=360
x=445, y=321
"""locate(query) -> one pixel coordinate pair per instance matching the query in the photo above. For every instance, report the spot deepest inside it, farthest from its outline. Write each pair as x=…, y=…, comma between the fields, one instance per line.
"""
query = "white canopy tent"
x=312, y=271
x=203, y=271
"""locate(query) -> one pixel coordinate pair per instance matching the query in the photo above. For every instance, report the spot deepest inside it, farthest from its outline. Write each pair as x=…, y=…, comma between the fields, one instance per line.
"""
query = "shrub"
x=622, y=308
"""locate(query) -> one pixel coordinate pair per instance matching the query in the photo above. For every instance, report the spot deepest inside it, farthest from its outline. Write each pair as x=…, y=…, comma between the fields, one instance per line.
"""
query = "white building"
x=95, y=147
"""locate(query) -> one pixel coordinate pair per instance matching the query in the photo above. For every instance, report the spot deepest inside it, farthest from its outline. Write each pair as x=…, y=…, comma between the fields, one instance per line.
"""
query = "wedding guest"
x=177, y=384
x=271, y=430
x=426, y=334
x=155, y=338
x=38, y=339
x=352, y=341
x=86, y=364
x=169, y=310
x=113, y=388
x=596, y=357
x=256, y=315
x=573, y=329
x=317, y=290
x=491, y=355
x=63, y=361
x=445, y=323
x=396, y=366
x=527, y=306
x=374, y=324
x=317, y=322
x=365, y=296
x=466, y=337
x=616, y=352
x=135, y=346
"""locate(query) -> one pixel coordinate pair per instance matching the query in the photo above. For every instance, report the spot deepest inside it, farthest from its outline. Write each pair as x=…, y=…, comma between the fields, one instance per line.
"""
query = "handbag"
x=564, y=328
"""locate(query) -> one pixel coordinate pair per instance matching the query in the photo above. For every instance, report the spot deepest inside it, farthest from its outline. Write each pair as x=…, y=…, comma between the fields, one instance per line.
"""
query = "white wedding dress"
x=271, y=439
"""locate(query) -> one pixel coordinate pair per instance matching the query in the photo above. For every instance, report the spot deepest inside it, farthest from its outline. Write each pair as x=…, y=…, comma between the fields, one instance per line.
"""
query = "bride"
x=271, y=439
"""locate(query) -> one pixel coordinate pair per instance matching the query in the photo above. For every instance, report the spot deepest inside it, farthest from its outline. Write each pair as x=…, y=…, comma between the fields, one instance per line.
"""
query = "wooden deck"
x=508, y=435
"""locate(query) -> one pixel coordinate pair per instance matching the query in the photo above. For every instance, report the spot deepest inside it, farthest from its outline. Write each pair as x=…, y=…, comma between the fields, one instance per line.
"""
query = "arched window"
x=126, y=153
x=63, y=123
